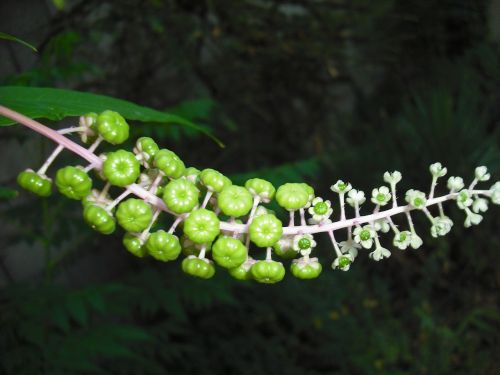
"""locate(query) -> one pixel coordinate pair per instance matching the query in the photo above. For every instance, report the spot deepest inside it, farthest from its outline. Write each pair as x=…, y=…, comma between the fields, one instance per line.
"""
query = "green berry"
x=99, y=219
x=243, y=272
x=163, y=246
x=73, y=182
x=344, y=262
x=134, y=215
x=201, y=226
x=292, y=196
x=262, y=188
x=268, y=271
x=265, y=230
x=147, y=147
x=33, y=182
x=134, y=245
x=181, y=196
x=112, y=127
x=306, y=269
x=192, y=248
x=121, y=168
x=214, y=180
x=202, y=268
x=235, y=201
x=169, y=163
x=192, y=174
x=284, y=248
x=229, y=252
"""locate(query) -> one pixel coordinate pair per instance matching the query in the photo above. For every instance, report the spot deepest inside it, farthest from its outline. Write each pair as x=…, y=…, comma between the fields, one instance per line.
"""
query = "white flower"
x=355, y=197
x=416, y=241
x=472, y=219
x=495, y=193
x=341, y=187
x=392, y=178
x=482, y=174
x=402, y=240
x=304, y=243
x=343, y=262
x=437, y=170
x=381, y=196
x=480, y=205
x=364, y=236
x=349, y=247
x=416, y=198
x=381, y=225
x=441, y=227
x=320, y=210
x=464, y=199
x=379, y=253
x=455, y=183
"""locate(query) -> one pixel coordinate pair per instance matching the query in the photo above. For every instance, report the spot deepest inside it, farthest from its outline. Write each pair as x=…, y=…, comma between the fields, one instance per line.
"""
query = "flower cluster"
x=221, y=221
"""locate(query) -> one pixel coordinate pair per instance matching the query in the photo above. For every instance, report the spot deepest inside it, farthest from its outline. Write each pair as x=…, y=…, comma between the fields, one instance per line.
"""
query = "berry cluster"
x=220, y=220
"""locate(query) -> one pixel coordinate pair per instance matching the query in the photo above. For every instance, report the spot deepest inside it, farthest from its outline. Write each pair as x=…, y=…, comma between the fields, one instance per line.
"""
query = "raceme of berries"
x=228, y=225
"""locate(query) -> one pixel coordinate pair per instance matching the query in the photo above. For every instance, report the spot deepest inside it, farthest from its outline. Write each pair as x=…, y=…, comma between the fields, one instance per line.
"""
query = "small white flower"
x=304, y=243
x=495, y=193
x=472, y=219
x=379, y=253
x=343, y=262
x=381, y=196
x=392, y=178
x=402, y=240
x=349, y=247
x=364, y=236
x=480, y=205
x=440, y=227
x=455, y=183
x=341, y=187
x=464, y=199
x=320, y=210
x=437, y=170
x=381, y=225
x=416, y=241
x=355, y=197
x=482, y=174
x=416, y=198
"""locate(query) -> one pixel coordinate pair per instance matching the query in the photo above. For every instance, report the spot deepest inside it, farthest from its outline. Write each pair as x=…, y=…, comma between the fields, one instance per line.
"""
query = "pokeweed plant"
x=222, y=221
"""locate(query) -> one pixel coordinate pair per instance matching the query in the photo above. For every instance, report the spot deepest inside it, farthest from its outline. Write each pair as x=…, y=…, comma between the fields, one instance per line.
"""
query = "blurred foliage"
x=299, y=90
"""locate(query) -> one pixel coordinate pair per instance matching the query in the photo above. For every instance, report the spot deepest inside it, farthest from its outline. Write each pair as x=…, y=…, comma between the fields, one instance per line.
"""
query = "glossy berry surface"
x=306, y=270
x=112, y=127
x=99, y=219
x=73, y=182
x=284, y=248
x=31, y=181
x=229, y=252
x=214, y=180
x=265, y=230
x=163, y=246
x=268, y=271
x=169, y=163
x=292, y=196
x=146, y=147
x=202, y=226
x=262, y=188
x=181, y=196
x=134, y=245
x=121, y=168
x=192, y=248
x=202, y=268
x=134, y=215
x=235, y=201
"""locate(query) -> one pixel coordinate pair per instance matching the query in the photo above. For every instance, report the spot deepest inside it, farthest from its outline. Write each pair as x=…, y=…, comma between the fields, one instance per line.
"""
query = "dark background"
x=299, y=91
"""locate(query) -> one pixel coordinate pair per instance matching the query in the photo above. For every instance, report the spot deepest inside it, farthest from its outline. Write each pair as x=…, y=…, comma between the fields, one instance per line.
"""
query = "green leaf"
x=56, y=104
x=7, y=193
x=15, y=39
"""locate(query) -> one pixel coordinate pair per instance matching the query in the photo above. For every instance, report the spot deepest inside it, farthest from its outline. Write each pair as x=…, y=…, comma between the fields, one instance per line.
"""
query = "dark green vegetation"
x=302, y=91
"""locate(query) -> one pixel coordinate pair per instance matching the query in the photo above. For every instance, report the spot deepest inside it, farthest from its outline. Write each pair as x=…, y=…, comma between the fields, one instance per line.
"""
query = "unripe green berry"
x=202, y=268
x=169, y=163
x=201, y=226
x=163, y=246
x=134, y=245
x=73, y=182
x=121, y=168
x=181, y=196
x=268, y=271
x=192, y=248
x=235, y=201
x=191, y=174
x=265, y=230
x=306, y=269
x=147, y=147
x=99, y=219
x=262, y=188
x=229, y=252
x=112, y=127
x=134, y=215
x=284, y=248
x=214, y=180
x=33, y=182
x=292, y=196
x=243, y=272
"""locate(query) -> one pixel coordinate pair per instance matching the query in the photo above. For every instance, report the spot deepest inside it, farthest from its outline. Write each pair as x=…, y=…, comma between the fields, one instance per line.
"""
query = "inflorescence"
x=198, y=200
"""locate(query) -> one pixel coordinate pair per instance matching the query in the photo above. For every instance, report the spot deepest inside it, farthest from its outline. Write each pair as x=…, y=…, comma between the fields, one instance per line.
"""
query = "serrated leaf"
x=56, y=104
x=17, y=40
